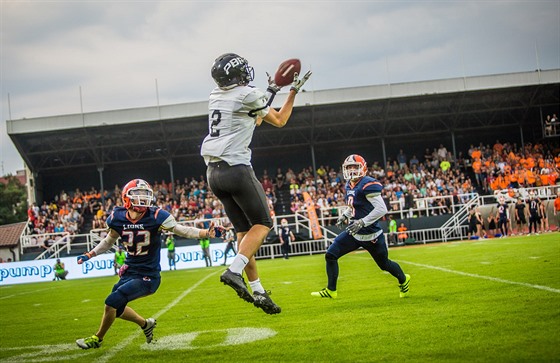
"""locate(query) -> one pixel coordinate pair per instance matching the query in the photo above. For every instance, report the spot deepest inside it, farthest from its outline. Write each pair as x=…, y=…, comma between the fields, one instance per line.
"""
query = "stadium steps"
x=283, y=201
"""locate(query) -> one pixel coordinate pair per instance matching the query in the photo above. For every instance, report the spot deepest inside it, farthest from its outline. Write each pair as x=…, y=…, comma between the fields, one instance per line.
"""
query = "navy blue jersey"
x=358, y=203
x=502, y=211
x=285, y=232
x=140, y=238
x=534, y=207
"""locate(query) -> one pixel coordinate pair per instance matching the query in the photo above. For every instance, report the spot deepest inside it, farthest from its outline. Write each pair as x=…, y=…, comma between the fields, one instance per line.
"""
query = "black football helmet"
x=230, y=70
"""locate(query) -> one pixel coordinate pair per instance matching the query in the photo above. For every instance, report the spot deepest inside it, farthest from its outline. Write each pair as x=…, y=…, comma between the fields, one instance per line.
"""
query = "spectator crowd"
x=409, y=182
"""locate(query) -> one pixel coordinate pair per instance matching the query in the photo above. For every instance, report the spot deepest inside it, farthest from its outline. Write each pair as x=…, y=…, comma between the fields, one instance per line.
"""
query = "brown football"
x=285, y=73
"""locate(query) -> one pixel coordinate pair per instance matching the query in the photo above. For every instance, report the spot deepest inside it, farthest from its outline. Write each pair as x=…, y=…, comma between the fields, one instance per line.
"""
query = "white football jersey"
x=231, y=122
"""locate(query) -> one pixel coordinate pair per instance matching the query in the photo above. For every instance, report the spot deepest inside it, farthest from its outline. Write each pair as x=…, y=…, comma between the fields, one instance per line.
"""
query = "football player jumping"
x=366, y=207
x=235, y=109
x=138, y=224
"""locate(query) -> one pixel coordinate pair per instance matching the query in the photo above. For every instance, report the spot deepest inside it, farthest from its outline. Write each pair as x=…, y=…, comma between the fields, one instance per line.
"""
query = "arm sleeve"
x=258, y=104
x=187, y=232
x=105, y=245
x=379, y=208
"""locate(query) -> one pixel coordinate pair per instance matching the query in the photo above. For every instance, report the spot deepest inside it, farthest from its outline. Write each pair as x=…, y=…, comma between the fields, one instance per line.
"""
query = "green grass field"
x=480, y=301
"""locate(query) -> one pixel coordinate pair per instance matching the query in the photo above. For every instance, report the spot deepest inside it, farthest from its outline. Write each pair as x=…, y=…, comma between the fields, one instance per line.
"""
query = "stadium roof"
x=404, y=113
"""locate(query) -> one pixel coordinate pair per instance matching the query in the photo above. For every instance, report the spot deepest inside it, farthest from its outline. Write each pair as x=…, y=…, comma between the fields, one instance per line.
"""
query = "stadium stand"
x=441, y=117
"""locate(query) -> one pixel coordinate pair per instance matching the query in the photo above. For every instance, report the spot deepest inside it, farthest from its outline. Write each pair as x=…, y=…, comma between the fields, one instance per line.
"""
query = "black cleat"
x=236, y=282
x=263, y=301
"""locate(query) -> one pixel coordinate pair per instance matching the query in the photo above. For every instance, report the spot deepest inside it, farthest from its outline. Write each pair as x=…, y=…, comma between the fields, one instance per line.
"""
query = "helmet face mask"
x=354, y=167
x=230, y=70
x=137, y=195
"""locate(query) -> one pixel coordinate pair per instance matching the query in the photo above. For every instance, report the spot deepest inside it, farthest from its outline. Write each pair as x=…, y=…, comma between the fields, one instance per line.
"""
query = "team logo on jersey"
x=133, y=226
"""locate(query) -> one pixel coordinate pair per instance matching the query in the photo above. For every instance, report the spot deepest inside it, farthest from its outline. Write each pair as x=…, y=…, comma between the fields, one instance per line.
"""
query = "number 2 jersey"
x=232, y=116
x=356, y=199
x=140, y=238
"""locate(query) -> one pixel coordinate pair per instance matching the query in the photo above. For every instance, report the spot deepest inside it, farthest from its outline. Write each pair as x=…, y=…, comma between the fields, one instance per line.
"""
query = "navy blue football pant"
x=131, y=287
x=344, y=243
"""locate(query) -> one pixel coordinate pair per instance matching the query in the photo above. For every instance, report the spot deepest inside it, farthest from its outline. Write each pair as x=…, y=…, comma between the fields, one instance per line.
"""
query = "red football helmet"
x=138, y=195
x=354, y=167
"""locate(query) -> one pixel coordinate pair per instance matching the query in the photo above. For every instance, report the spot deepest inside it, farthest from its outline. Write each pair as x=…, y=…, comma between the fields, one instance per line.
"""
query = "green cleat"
x=89, y=342
x=404, y=287
x=325, y=293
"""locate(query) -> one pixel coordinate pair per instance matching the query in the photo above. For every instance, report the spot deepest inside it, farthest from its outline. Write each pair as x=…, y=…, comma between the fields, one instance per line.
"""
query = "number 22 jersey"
x=140, y=238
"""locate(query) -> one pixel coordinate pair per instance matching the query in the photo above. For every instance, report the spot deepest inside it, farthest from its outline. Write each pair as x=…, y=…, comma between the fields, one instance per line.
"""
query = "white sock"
x=238, y=264
x=256, y=286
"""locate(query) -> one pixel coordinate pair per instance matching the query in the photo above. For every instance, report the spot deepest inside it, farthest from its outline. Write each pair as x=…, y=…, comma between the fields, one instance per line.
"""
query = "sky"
x=65, y=57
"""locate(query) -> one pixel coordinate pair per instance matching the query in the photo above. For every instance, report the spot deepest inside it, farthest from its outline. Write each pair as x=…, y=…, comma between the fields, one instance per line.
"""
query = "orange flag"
x=312, y=214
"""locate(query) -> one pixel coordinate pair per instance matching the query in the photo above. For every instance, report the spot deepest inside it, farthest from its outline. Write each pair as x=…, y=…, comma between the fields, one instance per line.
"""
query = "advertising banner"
x=43, y=270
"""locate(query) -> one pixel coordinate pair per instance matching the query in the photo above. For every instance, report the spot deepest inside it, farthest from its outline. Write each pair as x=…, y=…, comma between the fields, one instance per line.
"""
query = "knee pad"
x=330, y=257
x=117, y=301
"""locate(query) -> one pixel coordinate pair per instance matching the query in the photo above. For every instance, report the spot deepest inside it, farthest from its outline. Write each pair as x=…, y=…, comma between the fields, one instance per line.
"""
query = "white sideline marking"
x=235, y=336
x=495, y=279
x=111, y=353
x=25, y=293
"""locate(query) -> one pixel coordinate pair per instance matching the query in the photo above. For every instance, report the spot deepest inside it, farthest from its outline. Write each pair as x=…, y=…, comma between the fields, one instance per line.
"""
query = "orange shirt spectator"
x=402, y=235
x=514, y=177
x=477, y=154
x=552, y=178
x=498, y=147
x=521, y=176
x=544, y=179
x=557, y=205
x=495, y=184
x=530, y=162
x=502, y=182
x=476, y=165
x=531, y=178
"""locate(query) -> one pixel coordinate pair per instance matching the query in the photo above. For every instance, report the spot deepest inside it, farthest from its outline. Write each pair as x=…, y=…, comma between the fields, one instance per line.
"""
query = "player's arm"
x=193, y=232
x=103, y=246
x=378, y=211
x=280, y=118
x=170, y=224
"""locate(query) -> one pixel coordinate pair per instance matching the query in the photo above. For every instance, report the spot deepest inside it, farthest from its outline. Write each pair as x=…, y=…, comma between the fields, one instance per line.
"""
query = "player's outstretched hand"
x=341, y=221
x=298, y=83
x=355, y=226
x=212, y=230
x=83, y=258
x=272, y=86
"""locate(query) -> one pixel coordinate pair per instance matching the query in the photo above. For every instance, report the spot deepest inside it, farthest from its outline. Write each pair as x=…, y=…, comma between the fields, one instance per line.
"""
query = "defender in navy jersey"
x=503, y=217
x=366, y=207
x=534, y=215
x=138, y=224
x=235, y=109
